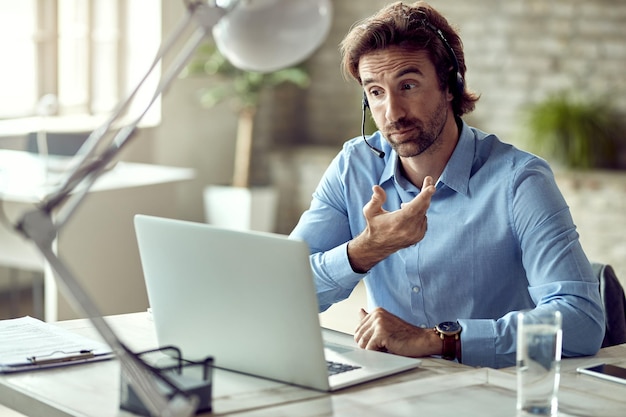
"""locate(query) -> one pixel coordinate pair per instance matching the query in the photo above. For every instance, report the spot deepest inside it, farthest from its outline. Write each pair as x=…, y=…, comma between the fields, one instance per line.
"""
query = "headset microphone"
x=375, y=150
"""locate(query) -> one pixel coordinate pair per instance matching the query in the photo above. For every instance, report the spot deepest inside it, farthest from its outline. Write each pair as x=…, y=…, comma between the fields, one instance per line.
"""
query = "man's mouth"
x=401, y=133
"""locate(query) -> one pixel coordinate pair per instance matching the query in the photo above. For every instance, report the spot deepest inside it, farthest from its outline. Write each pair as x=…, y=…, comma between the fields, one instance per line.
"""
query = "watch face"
x=449, y=327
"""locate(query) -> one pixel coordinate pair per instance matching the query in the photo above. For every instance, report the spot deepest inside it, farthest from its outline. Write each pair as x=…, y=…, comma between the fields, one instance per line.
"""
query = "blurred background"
x=550, y=75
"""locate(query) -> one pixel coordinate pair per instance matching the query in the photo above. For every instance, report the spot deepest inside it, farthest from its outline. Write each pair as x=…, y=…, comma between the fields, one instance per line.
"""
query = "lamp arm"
x=38, y=225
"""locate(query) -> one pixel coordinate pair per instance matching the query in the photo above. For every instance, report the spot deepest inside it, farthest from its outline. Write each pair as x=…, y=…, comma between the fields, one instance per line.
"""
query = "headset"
x=456, y=82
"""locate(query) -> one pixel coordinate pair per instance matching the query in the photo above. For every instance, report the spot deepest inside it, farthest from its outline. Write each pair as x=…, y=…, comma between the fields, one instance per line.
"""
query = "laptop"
x=248, y=299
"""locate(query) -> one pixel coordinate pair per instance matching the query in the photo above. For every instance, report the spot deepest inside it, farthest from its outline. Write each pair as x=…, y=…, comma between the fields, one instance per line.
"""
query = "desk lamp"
x=255, y=35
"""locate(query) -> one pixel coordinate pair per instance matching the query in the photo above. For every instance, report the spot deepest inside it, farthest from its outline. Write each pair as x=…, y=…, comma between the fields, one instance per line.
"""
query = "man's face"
x=405, y=99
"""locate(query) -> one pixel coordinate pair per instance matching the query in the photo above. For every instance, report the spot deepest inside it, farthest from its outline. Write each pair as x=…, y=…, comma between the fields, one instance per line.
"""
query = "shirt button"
x=423, y=326
x=415, y=289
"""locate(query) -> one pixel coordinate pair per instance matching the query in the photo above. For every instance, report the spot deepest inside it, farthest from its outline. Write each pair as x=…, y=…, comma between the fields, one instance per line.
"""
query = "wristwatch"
x=449, y=332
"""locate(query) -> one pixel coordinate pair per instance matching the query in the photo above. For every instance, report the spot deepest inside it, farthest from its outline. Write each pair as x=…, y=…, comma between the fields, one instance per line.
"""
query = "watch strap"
x=449, y=346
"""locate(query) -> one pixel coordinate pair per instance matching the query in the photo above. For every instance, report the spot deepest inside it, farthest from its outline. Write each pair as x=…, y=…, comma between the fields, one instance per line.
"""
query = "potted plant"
x=243, y=90
x=577, y=133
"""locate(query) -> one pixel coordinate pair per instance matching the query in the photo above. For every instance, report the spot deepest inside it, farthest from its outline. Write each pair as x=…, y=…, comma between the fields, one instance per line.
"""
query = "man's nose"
x=395, y=108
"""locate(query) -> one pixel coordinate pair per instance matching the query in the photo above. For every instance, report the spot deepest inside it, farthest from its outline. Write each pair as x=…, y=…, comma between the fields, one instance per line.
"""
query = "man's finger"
x=375, y=205
x=422, y=200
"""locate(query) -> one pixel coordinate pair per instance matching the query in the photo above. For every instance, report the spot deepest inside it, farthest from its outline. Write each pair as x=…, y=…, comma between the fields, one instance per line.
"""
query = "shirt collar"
x=455, y=175
x=391, y=167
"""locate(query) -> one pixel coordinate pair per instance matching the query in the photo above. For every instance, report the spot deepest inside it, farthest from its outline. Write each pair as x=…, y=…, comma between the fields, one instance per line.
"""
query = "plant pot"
x=241, y=208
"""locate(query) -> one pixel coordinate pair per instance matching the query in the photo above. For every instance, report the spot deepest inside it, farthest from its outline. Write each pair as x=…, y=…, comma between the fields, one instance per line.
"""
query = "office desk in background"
x=437, y=388
x=98, y=243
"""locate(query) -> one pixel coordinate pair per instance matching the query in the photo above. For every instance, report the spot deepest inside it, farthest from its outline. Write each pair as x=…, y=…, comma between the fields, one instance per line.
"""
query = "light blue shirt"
x=500, y=239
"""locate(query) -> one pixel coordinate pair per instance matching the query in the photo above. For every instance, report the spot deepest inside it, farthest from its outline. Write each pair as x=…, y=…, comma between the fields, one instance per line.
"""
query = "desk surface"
x=438, y=387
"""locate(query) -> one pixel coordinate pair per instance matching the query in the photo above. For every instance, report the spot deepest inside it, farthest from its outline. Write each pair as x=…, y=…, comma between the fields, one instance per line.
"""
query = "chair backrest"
x=614, y=302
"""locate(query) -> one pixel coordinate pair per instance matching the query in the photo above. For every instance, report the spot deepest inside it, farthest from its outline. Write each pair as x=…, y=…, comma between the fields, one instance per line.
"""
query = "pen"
x=82, y=354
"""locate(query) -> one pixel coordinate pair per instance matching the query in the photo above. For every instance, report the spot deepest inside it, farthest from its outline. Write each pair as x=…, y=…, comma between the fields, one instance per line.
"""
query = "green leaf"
x=579, y=133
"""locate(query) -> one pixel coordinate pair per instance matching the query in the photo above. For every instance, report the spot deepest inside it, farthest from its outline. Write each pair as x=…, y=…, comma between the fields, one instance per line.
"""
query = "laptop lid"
x=247, y=299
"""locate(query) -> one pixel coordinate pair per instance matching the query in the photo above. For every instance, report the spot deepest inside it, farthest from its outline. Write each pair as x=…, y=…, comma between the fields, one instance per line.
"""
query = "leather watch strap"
x=449, y=347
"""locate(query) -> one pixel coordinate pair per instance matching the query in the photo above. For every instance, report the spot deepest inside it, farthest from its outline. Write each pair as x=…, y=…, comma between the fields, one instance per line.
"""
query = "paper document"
x=27, y=343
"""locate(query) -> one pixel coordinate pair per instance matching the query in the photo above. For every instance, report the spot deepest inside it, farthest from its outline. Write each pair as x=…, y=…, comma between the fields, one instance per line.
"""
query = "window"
x=87, y=54
x=17, y=74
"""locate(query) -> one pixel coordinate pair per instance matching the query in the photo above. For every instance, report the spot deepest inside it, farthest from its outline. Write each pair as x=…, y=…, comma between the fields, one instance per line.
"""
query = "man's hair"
x=412, y=27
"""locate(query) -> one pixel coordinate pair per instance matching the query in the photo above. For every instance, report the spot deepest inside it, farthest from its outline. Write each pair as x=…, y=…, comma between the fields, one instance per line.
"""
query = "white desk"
x=98, y=244
x=438, y=388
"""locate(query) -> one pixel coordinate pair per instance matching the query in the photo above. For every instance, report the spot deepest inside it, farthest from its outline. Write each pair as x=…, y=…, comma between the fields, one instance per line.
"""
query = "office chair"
x=614, y=303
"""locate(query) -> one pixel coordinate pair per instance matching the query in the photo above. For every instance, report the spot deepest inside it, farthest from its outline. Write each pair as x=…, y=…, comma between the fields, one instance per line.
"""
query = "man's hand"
x=387, y=232
x=382, y=331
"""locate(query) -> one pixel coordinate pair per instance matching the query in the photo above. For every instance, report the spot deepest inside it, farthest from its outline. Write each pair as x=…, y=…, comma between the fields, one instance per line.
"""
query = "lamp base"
x=186, y=378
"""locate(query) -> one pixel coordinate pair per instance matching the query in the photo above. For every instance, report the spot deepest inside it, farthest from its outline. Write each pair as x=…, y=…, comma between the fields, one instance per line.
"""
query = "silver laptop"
x=248, y=299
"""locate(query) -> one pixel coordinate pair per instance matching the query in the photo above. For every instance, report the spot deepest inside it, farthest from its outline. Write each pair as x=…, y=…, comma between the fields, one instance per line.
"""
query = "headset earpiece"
x=458, y=84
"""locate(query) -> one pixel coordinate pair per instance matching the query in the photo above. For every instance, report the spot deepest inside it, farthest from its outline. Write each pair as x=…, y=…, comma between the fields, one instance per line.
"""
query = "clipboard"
x=57, y=361
x=28, y=344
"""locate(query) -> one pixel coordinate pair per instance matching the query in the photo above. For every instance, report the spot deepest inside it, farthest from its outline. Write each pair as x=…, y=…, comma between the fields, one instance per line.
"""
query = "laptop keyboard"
x=335, y=368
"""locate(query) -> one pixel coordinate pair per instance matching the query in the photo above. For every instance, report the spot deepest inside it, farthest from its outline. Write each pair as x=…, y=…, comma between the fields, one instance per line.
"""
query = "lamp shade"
x=267, y=35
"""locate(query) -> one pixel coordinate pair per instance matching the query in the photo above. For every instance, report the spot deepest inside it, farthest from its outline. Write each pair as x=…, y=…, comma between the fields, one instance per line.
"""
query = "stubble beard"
x=424, y=137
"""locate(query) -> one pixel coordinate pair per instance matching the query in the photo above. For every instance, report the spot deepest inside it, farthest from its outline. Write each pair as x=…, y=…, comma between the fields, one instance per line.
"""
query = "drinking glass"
x=539, y=339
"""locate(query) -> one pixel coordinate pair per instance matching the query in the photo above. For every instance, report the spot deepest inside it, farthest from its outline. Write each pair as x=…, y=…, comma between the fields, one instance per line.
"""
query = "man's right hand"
x=383, y=331
x=387, y=232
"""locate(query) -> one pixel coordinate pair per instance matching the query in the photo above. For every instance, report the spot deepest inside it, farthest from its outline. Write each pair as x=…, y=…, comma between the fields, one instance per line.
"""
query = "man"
x=451, y=230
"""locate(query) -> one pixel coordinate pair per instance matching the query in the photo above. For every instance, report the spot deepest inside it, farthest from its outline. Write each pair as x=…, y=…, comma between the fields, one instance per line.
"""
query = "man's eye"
x=408, y=86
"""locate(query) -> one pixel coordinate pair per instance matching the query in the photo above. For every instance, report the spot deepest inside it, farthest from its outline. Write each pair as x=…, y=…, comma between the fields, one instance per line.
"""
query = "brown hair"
x=413, y=27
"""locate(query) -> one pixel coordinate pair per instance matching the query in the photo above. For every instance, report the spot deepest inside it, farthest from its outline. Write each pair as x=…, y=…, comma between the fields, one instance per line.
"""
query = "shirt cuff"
x=338, y=257
x=478, y=342
x=334, y=276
